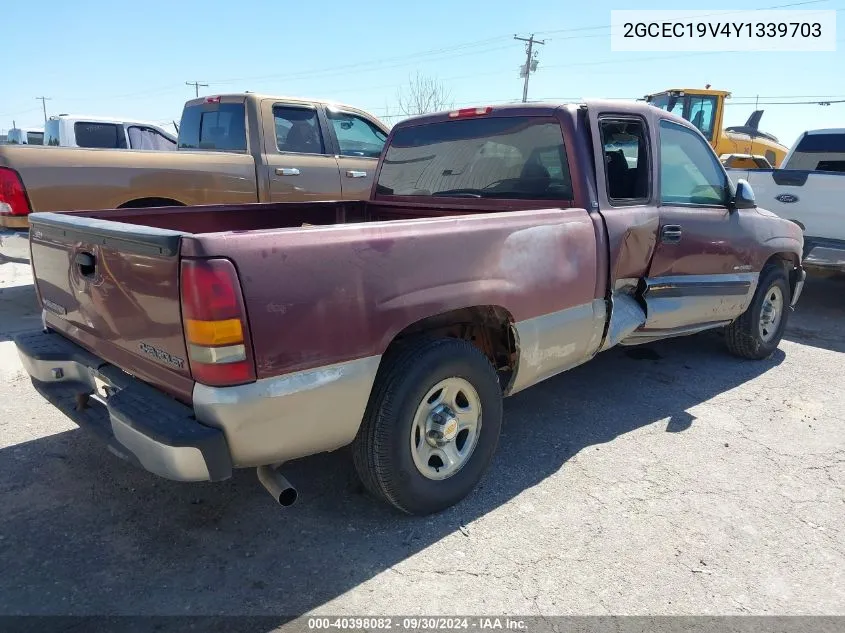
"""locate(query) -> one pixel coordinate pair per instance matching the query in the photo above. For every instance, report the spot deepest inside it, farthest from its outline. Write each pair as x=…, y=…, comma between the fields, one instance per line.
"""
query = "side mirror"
x=744, y=196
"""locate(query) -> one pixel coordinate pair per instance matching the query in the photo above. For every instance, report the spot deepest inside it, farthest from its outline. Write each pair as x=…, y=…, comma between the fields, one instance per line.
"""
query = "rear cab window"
x=214, y=126
x=511, y=157
x=820, y=152
x=99, y=135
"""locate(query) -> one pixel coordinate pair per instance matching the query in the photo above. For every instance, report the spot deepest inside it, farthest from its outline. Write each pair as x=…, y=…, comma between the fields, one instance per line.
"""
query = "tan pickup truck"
x=233, y=149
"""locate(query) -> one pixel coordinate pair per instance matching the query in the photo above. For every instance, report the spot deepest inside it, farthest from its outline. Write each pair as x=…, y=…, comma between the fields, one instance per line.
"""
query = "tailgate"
x=114, y=288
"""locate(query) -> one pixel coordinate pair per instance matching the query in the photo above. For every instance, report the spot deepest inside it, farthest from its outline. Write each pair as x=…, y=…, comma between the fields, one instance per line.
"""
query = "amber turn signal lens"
x=214, y=332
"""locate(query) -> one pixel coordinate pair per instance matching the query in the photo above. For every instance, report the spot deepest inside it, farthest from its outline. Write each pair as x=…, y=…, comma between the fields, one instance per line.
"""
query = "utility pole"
x=196, y=86
x=44, y=101
x=530, y=62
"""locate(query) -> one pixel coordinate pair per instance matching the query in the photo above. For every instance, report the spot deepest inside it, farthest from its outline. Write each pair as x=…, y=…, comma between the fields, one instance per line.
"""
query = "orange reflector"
x=464, y=112
x=214, y=332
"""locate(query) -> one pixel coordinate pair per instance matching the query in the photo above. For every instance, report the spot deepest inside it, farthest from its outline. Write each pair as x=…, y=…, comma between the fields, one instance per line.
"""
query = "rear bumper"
x=137, y=422
x=8, y=221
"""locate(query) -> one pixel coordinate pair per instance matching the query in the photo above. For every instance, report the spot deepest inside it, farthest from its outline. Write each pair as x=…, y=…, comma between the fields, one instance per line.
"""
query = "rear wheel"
x=759, y=330
x=431, y=426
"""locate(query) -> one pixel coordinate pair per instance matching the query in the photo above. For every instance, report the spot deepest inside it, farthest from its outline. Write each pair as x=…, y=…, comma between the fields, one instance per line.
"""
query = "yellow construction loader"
x=705, y=109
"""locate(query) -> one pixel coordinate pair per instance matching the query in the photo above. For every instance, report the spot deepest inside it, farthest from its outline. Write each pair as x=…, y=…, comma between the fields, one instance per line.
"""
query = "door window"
x=690, y=173
x=625, y=160
x=297, y=130
x=356, y=136
x=102, y=135
x=148, y=138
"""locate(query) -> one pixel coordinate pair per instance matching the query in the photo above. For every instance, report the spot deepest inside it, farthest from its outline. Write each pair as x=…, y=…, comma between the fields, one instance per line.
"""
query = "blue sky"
x=133, y=59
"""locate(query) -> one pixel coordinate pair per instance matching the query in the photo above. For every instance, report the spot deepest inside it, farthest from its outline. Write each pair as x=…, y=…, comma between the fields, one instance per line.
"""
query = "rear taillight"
x=13, y=200
x=215, y=324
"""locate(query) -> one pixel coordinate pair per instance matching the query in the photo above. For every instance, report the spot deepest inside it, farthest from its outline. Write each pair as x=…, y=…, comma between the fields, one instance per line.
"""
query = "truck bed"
x=339, y=289
x=221, y=218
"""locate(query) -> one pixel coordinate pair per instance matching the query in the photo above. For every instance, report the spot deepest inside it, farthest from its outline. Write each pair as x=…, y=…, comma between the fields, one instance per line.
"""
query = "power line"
x=530, y=61
x=44, y=101
x=196, y=86
x=335, y=69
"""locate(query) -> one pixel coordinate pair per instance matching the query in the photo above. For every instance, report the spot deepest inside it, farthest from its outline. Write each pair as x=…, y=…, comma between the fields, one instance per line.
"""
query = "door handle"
x=287, y=171
x=671, y=234
x=351, y=173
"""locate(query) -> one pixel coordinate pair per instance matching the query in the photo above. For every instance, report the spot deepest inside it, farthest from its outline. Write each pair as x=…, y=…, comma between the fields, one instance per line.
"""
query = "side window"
x=297, y=130
x=102, y=135
x=626, y=160
x=147, y=138
x=690, y=173
x=356, y=136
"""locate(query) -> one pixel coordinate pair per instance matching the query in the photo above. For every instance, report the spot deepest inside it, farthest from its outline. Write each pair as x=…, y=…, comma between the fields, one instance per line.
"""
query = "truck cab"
x=67, y=130
x=25, y=136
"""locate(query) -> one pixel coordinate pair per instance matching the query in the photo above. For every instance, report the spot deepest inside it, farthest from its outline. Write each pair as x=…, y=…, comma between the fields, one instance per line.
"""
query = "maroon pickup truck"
x=500, y=246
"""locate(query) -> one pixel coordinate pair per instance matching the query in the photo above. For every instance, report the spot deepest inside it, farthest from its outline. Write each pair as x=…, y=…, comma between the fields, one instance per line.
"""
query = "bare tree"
x=422, y=95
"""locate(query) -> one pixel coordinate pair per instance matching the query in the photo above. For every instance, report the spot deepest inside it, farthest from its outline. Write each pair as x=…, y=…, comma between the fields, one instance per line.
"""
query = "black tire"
x=743, y=336
x=381, y=450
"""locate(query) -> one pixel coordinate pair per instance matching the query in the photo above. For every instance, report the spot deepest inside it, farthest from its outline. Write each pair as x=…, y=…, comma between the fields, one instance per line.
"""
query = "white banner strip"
x=709, y=30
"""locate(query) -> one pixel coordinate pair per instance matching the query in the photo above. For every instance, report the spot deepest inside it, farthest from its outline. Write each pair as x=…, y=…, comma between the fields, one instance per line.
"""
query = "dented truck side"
x=500, y=247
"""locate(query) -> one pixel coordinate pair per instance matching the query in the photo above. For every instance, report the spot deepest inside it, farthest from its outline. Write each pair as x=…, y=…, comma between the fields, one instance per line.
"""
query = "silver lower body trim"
x=553, y=343
x=282, y=418
x=681, y=301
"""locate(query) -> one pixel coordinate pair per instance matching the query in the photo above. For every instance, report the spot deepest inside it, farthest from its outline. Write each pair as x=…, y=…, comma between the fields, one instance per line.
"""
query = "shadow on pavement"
x=819, y=317
x=19, y=310
x=82, y=532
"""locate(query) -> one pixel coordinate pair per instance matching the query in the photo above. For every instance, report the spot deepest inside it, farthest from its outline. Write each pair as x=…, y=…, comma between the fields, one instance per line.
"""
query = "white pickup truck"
x=809, y=189
x=67, y=130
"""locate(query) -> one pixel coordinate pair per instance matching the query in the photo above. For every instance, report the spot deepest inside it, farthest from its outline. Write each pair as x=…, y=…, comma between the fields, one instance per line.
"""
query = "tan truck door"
x=358, y=145
x=298, y=158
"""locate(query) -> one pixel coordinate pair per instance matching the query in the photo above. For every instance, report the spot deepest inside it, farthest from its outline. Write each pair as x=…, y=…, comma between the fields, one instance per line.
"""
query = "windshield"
x=700, y=110
x=35, y=138
x=494, y=157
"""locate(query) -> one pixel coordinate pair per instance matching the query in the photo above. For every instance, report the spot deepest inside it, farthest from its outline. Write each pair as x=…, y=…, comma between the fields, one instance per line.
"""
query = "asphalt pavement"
x=666, y=479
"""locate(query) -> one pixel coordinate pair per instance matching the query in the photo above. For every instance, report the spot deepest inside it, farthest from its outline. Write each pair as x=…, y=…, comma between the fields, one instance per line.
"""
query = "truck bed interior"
x=250, y=217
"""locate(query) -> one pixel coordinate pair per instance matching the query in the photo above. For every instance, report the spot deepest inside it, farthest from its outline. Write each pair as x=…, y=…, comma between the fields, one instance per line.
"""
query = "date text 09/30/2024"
x=418, y=623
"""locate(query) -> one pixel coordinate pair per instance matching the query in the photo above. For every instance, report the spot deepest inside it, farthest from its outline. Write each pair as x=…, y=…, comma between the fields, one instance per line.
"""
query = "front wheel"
x=759, y=330
x=431, y=426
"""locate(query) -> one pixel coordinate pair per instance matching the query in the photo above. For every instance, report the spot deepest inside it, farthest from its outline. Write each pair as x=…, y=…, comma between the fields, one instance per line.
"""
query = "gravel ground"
x=669, y=479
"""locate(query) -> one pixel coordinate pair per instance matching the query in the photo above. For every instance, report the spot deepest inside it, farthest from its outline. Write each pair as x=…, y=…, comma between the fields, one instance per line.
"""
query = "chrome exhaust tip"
x=277, y=485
